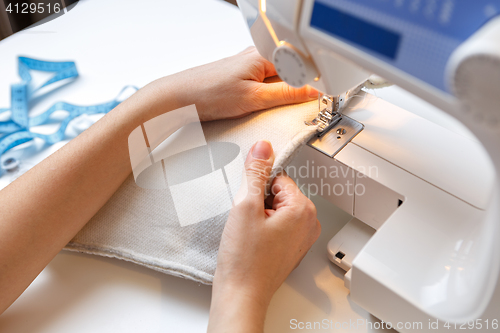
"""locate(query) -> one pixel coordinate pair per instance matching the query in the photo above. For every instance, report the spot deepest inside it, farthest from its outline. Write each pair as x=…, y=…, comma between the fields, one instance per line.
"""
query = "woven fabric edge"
x=166, y=267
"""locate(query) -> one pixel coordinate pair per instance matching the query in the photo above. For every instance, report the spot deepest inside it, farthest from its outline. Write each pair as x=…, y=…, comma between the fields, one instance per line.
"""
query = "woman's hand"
x=260, y=247
x=234, y=87
x=92, y=166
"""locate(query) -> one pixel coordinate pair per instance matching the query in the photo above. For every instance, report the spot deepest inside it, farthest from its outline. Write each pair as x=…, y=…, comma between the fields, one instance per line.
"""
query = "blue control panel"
x=416, y=36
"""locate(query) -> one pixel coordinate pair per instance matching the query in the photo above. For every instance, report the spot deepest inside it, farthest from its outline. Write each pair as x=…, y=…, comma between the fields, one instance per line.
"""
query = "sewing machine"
x=423, y=244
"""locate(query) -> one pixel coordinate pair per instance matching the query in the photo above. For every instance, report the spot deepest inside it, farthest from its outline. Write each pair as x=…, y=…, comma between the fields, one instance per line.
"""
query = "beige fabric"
x=140, y=225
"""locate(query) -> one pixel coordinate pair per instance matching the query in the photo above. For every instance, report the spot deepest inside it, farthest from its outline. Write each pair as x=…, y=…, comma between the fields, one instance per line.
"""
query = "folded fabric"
x=143, y=225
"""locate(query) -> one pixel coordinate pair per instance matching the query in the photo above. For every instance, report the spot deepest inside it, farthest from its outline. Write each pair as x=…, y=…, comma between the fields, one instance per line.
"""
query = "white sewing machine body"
x=431, y=195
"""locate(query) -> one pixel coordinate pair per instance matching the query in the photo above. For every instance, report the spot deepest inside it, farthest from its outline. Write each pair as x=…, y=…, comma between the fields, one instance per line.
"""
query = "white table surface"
x=121, y=42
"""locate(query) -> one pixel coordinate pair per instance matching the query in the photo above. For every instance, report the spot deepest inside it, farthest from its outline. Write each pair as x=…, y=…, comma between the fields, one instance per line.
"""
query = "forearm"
x=47, y=206
x=236, y=310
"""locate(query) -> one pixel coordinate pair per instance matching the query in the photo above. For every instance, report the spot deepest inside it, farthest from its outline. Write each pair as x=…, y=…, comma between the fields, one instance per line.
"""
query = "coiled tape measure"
x=16, y=131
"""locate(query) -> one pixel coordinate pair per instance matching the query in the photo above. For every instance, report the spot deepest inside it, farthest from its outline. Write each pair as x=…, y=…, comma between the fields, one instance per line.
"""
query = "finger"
x=270, y=212
x=280, y=93
x=300, y=260
x=273, y=79
x=269, y=69
x=285, y=192
x=265, y=66
x=258, y=167
x=269, y=201
x=314, y=237
x=318, y=231
x=268, y=66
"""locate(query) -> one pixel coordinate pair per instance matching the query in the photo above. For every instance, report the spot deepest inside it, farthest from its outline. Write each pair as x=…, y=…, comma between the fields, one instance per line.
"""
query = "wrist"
x=237, y=308
x=156, y=98
x=165, y=94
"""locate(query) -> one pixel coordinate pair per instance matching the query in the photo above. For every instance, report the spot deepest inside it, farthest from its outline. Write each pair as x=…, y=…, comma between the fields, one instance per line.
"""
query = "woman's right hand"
x=260, y=247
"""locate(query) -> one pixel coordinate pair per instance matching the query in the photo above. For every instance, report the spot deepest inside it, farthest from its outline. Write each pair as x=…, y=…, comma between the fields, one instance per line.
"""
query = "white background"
x=117, y=43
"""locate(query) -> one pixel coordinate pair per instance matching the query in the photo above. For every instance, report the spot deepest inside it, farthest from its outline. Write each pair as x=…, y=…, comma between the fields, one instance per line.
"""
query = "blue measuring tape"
x=16, y=131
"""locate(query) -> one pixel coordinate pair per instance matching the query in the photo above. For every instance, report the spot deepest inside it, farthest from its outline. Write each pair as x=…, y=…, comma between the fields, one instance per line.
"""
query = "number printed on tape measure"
x=31, y=8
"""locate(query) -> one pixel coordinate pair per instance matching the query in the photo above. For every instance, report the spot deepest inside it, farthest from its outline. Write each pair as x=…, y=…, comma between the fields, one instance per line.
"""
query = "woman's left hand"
x=234, y=87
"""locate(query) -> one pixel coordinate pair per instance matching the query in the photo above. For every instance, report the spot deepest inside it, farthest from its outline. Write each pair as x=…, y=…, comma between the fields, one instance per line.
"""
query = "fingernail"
x=313, y=93
x=262, y=150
